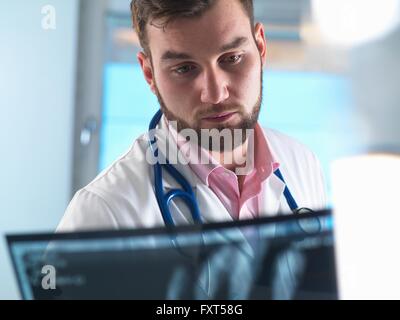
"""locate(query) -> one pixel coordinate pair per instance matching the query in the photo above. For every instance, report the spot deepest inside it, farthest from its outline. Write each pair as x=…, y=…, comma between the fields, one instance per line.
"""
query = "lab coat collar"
x=271, y=199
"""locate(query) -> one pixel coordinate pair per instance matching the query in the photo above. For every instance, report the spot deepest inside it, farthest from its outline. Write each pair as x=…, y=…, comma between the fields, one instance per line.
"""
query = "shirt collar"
x=265, y=161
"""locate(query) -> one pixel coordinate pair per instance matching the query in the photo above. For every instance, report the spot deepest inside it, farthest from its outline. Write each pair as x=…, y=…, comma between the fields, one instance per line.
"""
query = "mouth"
x=220, y=117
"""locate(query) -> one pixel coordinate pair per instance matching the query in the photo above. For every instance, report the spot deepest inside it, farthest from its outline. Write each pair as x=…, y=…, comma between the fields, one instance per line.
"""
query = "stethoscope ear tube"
x=159, y=192
x=164, y=200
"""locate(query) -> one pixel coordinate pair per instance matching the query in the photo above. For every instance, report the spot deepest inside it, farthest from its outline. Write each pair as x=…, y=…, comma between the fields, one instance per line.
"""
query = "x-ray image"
x=259, y=260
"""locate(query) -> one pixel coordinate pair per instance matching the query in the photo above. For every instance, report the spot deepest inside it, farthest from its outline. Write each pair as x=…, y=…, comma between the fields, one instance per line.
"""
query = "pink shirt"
x=224, y=183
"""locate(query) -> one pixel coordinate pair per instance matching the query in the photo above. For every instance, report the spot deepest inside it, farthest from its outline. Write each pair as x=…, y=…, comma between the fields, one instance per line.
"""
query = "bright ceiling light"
x=352, y=22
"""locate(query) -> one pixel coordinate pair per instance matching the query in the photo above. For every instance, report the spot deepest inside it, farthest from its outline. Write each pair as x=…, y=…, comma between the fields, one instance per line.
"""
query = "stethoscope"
x=187, y=194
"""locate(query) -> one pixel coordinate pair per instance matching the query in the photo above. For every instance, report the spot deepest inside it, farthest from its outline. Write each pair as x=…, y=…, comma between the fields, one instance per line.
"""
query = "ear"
x=147, y=69
x=259, y=34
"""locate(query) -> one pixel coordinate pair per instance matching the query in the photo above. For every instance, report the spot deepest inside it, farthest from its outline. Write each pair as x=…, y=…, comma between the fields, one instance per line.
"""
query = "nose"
x=214, y=87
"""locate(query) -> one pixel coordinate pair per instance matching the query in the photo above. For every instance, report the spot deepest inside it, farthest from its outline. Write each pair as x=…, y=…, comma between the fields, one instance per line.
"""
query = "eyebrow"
x=173, y=55
x=237, y=42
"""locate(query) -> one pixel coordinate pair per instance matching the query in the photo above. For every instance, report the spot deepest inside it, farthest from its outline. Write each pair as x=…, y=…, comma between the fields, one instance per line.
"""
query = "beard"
x=215, y=136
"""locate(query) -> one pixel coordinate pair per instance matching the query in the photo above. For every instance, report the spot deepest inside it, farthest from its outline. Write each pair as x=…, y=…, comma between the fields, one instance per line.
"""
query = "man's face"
x=207, y=71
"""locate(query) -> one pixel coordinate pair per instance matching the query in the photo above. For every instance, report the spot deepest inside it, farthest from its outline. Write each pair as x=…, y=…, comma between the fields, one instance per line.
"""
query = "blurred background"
x=72, y=96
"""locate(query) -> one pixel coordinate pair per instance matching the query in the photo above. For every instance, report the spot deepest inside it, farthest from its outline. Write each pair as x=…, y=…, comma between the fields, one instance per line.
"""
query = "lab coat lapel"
x=270, y=203
x=211, y=208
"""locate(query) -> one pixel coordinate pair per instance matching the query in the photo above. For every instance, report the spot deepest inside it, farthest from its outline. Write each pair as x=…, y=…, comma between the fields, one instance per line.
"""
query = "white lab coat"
x=122, y=196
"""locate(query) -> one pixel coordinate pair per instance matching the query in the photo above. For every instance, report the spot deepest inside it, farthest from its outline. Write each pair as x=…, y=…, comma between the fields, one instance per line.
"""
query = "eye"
x=182, y=70
x=233, y=59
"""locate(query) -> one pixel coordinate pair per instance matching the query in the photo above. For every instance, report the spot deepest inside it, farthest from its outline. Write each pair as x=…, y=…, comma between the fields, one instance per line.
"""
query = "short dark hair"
x=145, y=11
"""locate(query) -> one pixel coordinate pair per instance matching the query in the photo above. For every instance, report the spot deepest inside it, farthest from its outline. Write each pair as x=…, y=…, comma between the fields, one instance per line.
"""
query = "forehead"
x=223, y=22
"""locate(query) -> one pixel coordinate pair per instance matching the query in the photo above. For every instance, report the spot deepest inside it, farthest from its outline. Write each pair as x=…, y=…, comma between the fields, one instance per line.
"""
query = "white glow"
x=351, y=22
x=367, y=226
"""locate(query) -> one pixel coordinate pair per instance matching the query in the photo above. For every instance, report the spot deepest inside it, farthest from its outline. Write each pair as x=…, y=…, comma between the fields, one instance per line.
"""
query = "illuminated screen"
x=284, y=257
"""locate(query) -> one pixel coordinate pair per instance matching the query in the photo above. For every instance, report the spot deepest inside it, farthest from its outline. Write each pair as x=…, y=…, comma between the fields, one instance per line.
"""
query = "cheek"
x=171, y=92
x=177, y=96
x=247, y=82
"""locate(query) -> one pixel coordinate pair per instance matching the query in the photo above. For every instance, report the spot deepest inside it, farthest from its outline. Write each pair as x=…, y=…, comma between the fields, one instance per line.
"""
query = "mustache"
x=212, y=110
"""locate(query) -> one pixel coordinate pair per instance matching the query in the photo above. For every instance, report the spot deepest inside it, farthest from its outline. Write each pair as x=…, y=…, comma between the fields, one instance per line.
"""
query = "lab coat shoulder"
x=301, y=169
x=118, y=190
x=87, y=211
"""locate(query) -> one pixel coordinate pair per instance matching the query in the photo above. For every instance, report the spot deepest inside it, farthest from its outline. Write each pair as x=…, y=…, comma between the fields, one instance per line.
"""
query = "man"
x=203, y=60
